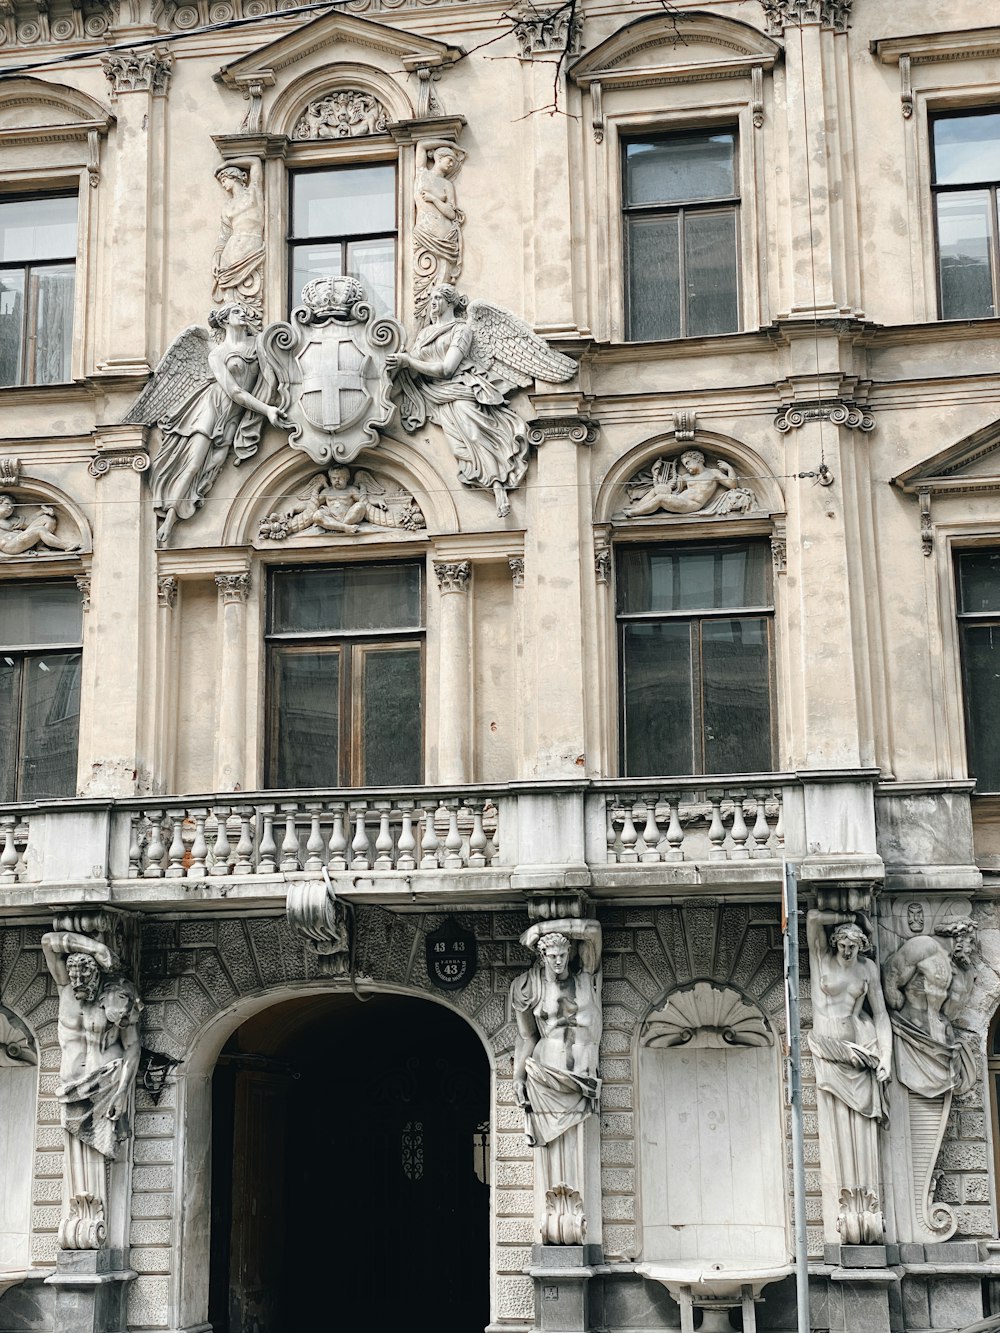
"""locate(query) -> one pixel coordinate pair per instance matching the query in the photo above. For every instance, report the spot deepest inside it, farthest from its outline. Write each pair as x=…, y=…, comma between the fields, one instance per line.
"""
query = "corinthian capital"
x=782, y=14
x=138, y=71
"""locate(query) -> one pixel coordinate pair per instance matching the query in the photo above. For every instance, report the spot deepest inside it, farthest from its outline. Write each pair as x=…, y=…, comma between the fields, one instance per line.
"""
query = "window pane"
x=982, y=703
x=710, y=273
x=699, y=165
x=314, y=261
x=391, y=731
x=9, y=678
x=32, y=614
x=351, y=201
x=37, y=229
x=307, y=699
x=374, y=262
x=50, y=322
x=51, y=726
x=967, y=149
x=700, y=578
x=653, y=279
x=362, y=597
x=979, y=580
x=657, y=672
x=736, y=698
x=964, y=245
x=11, y=326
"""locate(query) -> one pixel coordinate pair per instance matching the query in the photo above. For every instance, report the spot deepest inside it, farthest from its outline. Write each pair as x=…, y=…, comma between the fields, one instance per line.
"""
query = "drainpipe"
x=790, y=931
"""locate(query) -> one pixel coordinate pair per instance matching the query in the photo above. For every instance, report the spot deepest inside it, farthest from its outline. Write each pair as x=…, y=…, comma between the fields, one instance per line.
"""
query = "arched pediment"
x=372, y=99
x=40, y=523
x=28, y=103
x=675, y=47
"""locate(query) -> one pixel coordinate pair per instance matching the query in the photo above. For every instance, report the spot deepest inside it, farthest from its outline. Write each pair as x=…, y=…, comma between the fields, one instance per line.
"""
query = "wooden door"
x=260, y=1129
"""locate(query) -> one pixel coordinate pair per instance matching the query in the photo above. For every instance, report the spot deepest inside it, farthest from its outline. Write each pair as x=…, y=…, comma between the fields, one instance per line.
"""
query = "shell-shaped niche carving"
x=688, y=484
x=706, y=1016
x=342, y=502
x=342, y=113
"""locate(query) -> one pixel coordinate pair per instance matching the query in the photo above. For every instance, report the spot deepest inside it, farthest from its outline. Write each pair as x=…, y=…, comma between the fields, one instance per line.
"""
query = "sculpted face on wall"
x=337, y=502
x=686, y=484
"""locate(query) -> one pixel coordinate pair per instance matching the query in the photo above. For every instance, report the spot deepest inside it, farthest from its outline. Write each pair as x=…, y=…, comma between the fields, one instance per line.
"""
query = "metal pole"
x=790, y=930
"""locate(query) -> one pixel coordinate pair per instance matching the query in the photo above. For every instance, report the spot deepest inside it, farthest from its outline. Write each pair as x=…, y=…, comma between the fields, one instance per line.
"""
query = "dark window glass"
x=346, y=676
x=978, y=578
x=344, y=222
x=681, y=200
x=966, y=151
x=39, y=689
x=696, y=680
x=37, y=254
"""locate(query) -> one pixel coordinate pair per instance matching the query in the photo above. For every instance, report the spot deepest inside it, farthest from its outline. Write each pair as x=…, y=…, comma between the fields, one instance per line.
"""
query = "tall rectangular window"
x=41, y=630
x=681, y=201
x=966, y=176
x=37, y=265
x=979, y=630
x=345, y=661
x=344, y=222
x=695, y=629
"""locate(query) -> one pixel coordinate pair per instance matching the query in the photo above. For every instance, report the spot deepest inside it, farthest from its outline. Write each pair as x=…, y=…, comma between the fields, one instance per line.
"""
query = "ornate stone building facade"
x=481, y=492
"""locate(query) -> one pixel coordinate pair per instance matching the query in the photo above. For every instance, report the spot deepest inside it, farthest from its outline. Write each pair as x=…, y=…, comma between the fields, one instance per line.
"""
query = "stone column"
x=230, y=748
x=114, y=723
x=133, y=228
x=454, y=683
x=165, y=685
x=555, y=685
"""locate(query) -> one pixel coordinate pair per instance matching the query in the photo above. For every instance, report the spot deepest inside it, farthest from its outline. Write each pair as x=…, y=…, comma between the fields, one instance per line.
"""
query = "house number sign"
x=451, y=955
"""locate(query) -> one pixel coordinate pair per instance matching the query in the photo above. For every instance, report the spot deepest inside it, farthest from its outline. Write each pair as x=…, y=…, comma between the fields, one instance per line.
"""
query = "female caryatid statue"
x=462, y=366
x=851, y=1044
x=437, y=226
x=238, y=263
x=557, y=1005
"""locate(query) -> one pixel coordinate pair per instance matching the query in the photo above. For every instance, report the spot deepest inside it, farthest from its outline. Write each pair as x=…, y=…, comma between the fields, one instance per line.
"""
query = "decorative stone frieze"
x=138, y=71
x=782, y=14
x=345, y=113
x=516, y=563
x=835, y=410
x=28, y=530
x=558, y=29
x=453, y=575
x=233, y=588
x=166, y=591
x=577, y=429
x=339, y=503
x=686, y=484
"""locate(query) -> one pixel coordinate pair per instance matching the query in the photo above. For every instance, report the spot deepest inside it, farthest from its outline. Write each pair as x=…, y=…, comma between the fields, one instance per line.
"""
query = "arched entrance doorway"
x=350, y=1171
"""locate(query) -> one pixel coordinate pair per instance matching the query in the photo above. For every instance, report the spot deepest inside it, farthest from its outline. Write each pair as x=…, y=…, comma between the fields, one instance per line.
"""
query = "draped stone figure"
x=851, y=1044
x=437, y=226
x=557, y=1005
x=99, y=1039
x=238, y=263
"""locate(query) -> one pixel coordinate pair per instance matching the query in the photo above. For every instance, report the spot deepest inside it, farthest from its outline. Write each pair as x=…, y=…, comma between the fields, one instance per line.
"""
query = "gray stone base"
x=90, y=1289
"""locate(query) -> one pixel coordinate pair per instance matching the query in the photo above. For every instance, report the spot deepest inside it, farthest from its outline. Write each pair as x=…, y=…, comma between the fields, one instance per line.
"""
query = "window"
x=37, y=261
x=42, y=629
x=344, y=222
x=979, y=630
x=681, y=201
x=694, y=629
x=966, y=174
x=345, y=657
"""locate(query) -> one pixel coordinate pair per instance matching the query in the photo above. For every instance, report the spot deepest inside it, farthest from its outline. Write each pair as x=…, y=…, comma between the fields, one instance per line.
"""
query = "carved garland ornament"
x=347, y=113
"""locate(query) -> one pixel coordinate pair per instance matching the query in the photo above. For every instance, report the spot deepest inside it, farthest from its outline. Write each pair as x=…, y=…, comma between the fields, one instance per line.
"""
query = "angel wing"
x=502, y=342
x=182, y=372
x=371, y=487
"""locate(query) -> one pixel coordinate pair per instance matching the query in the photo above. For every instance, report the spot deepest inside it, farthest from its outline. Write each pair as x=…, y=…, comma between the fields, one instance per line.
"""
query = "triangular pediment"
x=970, y=465
x=339, y=36
x=676, y=45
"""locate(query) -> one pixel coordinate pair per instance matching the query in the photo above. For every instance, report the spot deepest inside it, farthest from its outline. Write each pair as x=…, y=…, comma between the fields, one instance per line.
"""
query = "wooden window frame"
x=989, y=185
x=27, y=350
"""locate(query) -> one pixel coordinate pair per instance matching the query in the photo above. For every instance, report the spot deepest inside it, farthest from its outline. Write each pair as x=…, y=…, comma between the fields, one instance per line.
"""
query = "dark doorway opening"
x=350, y=1169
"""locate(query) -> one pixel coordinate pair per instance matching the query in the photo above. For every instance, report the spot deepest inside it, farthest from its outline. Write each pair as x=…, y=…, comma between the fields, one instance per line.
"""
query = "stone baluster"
x=761, y=831
x=8, y=857
x=779, y=828
x=156, y=851
x=267, y=863
x=739, y=831
x=290, y=842
x=453, y=838
x=611, y=831
x=361, y=845
x=430, y=841
x=134, y=847
x=493, y=839
x=477, y=842
x=199, y=847
x=315, y=846
x=175, y=855
x=629, y=835
x=407, y=842
x=338, y=839
x=383, y=840
x=650, y=833
x=221, y=847
x=675, y=833
x=716, y=829
x=244, y=847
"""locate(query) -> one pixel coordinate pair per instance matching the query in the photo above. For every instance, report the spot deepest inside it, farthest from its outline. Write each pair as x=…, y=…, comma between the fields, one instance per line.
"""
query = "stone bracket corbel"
x=314, y=911
x=926, y=525
x=905, y=87
x=597, y=110
x=757, y=95
x=427, y=127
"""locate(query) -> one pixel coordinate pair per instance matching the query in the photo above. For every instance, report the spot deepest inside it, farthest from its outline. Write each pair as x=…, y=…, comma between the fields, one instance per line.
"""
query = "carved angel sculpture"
x=462, y=366
x=333, y=501
x=201, y=398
